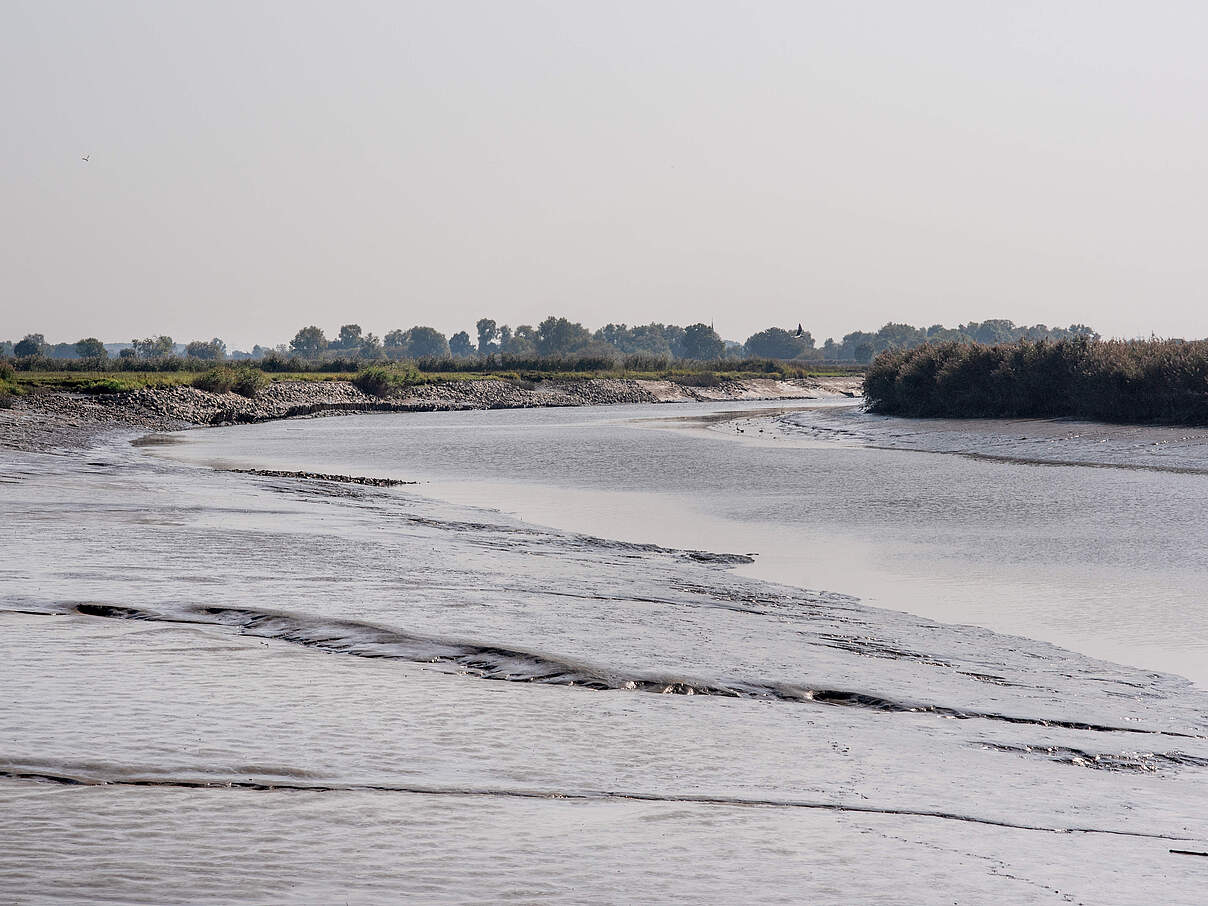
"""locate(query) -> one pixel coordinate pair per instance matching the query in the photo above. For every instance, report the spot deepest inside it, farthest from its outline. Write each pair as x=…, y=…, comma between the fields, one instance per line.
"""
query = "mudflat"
x=279, y=686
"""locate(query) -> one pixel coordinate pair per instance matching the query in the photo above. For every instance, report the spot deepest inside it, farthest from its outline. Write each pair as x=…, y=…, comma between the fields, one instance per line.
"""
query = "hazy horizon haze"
x=259, y=166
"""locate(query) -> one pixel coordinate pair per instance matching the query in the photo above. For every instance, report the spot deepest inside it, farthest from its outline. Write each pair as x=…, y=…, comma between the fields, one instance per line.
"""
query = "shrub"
x=216, y=380
x=249, y=381
x=701, y=379
x=388, y=380
x=244, y=380
x=8, y=385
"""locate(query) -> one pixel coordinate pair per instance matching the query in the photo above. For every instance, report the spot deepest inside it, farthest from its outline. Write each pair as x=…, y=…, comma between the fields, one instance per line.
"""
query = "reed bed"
x=1135, y=381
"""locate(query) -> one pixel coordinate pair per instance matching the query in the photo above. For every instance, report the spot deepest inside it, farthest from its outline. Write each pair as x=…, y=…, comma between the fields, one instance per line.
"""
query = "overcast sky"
x=260, y=166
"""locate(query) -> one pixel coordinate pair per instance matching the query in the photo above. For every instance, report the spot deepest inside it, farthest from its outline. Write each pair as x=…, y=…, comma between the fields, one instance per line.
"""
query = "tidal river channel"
x=1112, y=562
x=707, y=653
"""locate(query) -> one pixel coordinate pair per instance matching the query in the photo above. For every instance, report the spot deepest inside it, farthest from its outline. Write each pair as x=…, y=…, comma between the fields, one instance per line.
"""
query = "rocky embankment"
x=47, y=420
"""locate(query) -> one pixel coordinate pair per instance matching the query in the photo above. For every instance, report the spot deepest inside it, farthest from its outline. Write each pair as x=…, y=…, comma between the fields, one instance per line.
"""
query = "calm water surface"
x=1111, y=562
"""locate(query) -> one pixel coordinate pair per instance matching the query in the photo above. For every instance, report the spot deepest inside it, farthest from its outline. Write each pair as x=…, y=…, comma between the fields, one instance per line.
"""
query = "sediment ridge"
x=51, y=419
x=497, y=662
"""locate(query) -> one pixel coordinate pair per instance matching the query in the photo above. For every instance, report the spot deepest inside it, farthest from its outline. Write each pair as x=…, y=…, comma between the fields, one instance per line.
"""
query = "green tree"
x=642, y=339
x=460, y=345
x=91, y=348
x=395, y=344
x=349, y=338
x=32, y=344
x=701, y=342
x=371, y=346
x=1081, y=330
x=153, y=347
x=211, y=350
x=558, y=336
x=309, y=341
x=488, y=332
x=776, y=343
x=994, y=330
x=523, y=341
x=426, y=343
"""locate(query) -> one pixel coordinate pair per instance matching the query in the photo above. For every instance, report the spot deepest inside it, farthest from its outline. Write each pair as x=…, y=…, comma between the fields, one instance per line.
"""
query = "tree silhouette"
x=90, y=348
x=702, y=342
x=309, y=341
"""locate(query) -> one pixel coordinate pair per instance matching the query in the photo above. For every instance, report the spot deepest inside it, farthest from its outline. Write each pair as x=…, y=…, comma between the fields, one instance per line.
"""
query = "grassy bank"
x=1139, y=381
x=124, y=381
x=384, y=379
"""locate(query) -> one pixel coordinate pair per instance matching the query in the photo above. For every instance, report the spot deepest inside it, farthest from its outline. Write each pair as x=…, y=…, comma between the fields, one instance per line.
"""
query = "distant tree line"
x=861, y=347
x=553, y=337
x=1115, y=380
x=560, y=337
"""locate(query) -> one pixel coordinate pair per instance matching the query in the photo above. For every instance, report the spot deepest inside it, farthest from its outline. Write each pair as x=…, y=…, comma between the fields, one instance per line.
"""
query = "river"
x=1112, y=562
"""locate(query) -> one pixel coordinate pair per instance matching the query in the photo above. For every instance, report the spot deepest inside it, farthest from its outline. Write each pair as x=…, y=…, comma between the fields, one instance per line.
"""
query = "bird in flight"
x=86, y=156
x=799, y=331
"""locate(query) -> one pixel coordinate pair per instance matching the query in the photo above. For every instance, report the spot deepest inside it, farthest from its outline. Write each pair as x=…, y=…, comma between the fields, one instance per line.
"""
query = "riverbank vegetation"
x=244, y=380
x=1160, y=381
x=387, y=378
x=8, y=384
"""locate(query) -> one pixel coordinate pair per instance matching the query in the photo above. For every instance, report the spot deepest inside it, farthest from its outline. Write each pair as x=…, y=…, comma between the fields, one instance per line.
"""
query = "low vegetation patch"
x=8, y=385
x=224, y=379
x=100, y=381
x=1162, y=381
x=701, y=379
x=107, y=385
x=388, y=380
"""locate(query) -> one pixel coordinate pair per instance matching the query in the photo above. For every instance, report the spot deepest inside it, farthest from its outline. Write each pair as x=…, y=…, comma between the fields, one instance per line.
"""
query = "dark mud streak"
x=1030, y=461
x=577, y=795
x=872, y=648
x=320, y=476
x=514, y=665
x=588, y=541
x=1146, y=762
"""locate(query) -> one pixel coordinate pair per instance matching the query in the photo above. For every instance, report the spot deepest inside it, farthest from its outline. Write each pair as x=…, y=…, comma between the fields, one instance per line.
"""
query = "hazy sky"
x=259, y=166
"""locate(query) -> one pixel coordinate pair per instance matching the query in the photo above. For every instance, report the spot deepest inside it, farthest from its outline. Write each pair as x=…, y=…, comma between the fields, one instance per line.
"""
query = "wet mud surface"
x=224, y=686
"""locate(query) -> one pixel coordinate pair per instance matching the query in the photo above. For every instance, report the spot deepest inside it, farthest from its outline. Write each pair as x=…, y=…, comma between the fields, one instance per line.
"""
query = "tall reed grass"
x=1164, y=381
